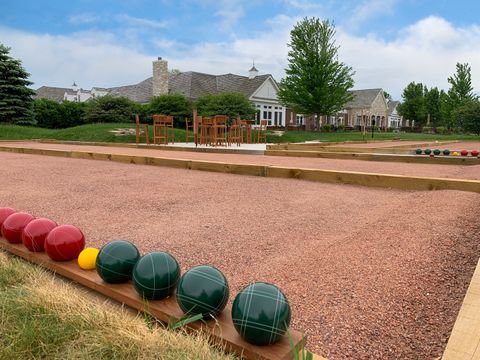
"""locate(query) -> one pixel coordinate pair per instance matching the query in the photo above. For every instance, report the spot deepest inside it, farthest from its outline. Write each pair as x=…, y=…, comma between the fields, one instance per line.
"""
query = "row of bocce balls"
x=446, y=152
x=260, y=312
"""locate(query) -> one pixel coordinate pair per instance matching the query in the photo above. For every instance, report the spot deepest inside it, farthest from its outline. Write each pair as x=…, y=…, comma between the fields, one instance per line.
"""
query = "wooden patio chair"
x=189, y=130
x=234, y=133
x=219, y=130
x=206, y=125
x=163, y=129
x=262, y=132
x=137, y=130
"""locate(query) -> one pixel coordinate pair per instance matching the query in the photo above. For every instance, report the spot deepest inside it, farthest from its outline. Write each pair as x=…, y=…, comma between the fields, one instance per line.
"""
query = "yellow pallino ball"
x=87, y=258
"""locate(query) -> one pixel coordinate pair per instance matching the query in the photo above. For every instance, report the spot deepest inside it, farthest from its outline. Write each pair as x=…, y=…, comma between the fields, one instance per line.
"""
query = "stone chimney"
x=160, y=77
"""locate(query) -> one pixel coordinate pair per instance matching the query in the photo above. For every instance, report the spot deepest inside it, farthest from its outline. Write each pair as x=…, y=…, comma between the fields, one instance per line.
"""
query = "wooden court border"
x=401, y=182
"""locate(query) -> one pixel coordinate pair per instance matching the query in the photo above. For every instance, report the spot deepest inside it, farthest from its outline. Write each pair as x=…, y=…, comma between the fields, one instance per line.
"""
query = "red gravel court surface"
x=424, y=170
x=370, y=273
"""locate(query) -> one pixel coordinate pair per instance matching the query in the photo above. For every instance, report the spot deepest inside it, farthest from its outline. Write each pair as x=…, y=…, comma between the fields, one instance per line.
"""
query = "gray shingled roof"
x=141, y=92
x=362, y=98
x=190, y=84
x=51, y=93
x=193, y=84
x=392, y=105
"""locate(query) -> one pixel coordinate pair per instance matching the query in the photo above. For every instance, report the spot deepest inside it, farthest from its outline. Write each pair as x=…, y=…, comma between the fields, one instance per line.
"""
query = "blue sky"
x=109, y=43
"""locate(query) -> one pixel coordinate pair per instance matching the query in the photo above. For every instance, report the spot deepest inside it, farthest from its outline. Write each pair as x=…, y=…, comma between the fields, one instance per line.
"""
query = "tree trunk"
x=317, y=121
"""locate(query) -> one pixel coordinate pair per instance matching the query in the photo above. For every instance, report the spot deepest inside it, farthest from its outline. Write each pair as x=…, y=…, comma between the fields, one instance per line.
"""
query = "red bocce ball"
x=34, y=234
x=4, y=213
x=13, y=226
x=464, y=152
x=474, y=153
x=64, y=243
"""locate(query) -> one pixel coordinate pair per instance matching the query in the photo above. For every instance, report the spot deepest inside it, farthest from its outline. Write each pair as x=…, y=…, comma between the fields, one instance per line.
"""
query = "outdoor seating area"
x=214, y=131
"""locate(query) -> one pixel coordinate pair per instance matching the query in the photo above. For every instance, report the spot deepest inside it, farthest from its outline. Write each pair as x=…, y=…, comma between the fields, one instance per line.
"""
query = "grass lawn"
x=102, y=133
x=44, y=317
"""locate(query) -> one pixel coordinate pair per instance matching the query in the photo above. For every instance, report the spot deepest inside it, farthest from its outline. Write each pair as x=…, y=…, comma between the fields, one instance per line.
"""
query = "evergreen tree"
x=316, y=81
x=15, y=95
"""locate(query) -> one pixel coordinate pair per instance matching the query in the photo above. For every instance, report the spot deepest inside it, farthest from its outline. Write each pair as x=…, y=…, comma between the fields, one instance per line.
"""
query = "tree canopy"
x=107, y=109
x=15, y=95
x=230, y=104
x=413, y=103
x=176, y=105
x=468, y=116
x=316, y=82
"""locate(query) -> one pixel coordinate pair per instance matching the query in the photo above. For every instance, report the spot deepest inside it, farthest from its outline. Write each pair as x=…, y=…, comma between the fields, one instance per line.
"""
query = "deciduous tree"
x=316, y=81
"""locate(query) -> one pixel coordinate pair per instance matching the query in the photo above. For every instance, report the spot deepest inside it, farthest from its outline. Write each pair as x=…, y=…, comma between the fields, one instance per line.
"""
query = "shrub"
x=327, y=128
x=109, y=109
x=230, y=104
x=176, y=105
x=53, y=115
x=441, y=130
x=341, y=128
x=427, y=130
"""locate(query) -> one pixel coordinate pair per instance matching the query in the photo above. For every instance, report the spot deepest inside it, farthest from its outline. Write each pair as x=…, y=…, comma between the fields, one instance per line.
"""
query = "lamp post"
x=373, y=127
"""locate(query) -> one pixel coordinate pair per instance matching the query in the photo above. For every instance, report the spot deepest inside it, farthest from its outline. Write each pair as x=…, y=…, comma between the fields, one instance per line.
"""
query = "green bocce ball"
x=155, y=275
x=261, y=313
x=116, y=260
x=203, y=290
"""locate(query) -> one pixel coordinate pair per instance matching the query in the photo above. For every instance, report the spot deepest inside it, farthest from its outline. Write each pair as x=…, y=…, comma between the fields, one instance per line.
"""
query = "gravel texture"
x=370, y=273
x=426, y=170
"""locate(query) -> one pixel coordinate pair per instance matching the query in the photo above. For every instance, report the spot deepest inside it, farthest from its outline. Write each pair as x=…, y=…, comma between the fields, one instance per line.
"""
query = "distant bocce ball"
x=203, y=290
x=455, y=153
x=261, y=313
x=418, y=151
x=13, y=226
x=155, y=275
x=4, y=213
x=436, y=152
x=35, y=233
x=87, y=258
x=64, y=243
x=474, y=153
x=116, y=260
x=446, y=152
x=464, y=152
x=428, y=151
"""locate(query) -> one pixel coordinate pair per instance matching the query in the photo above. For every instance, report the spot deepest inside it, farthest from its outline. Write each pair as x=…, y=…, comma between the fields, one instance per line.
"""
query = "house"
x=366, y=108
x=394, y=118
x=260, y=89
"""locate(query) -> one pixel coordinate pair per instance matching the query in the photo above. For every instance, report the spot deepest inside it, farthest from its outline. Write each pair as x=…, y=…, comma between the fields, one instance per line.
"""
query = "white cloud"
x=369, y=9
x=83, y=19
x=426, y=52
x=140, y=22
x=89, y=58
x=304, y=4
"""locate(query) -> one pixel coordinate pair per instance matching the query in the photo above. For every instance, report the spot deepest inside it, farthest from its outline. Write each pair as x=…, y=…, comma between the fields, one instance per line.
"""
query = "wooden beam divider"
x=401, y=182
x=221, y=330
